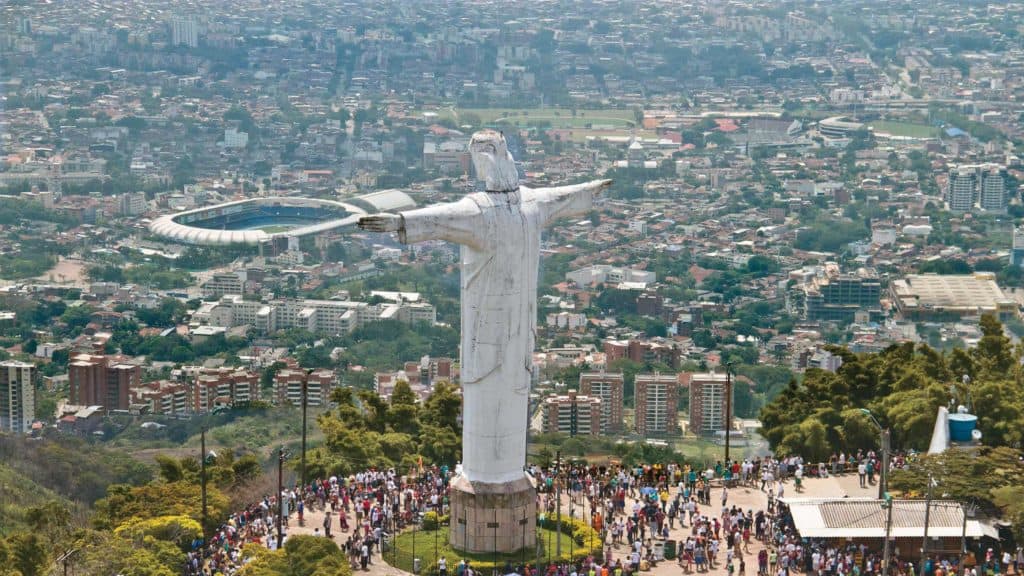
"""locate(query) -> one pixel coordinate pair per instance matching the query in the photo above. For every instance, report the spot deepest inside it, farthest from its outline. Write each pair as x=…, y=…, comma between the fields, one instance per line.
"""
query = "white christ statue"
x=499, y=234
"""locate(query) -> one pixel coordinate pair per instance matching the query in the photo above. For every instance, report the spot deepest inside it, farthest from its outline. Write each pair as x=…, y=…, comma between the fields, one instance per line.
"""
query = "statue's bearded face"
x=493, y=162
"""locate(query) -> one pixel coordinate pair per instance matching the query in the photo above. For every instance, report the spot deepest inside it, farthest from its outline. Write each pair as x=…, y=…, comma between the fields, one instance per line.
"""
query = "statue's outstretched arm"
x=456, y=222
x=569, y=201
x=382, y=222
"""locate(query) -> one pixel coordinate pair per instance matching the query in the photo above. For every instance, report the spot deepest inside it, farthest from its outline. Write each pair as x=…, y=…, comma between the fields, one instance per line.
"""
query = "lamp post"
x=887, y=503
x=728, y=408
x=305, y=402
x=883, y=483
x=558, y=503
x=280, y=496
x=927, y=517
x=202, y=476
x=969, y=510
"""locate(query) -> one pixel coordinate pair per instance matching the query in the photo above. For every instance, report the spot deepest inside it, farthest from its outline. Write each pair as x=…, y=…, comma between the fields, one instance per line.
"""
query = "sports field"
x=275, y=228
x=904, y=129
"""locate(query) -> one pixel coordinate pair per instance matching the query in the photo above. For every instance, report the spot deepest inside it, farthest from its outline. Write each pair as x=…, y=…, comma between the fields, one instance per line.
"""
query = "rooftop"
x=865, y=518
x=977, y=291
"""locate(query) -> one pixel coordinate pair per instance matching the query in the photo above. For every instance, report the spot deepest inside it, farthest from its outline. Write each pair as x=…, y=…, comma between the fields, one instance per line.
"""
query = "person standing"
x=327, y=523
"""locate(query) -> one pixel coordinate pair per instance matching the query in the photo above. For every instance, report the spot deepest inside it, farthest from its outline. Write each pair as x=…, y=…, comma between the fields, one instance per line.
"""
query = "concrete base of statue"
x=491, y=518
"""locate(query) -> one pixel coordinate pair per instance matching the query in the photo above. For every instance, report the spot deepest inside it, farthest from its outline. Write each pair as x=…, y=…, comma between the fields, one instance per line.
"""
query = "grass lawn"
x=401, y=554
x=905, y=129
x=274, y=228
x=701, y=451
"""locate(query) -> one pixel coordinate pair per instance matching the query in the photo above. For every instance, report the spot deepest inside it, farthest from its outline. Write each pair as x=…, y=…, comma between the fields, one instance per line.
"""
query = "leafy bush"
x=180, y=530
x=430, y=521
x=302, y=556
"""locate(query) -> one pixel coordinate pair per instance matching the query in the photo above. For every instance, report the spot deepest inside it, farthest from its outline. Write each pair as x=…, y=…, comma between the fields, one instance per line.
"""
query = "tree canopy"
x=902, y=386
x=366, y=430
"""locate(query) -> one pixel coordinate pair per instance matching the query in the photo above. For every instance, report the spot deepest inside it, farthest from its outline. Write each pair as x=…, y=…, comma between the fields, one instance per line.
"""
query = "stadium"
x=258, y=221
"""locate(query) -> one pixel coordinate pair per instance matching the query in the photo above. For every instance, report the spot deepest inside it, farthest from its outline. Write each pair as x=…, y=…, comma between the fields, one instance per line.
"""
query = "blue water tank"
x=961, y=426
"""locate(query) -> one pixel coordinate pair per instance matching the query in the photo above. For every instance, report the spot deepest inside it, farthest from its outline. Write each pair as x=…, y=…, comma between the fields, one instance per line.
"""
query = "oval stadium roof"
x=171, y=226
x=384, y=201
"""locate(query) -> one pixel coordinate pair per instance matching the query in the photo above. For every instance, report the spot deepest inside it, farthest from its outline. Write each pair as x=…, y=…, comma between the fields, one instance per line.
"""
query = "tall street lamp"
x=280, y=497
x=883, y=483
x=927, y=517
x=305, y=403
x=728, y=408
x=202, y=477
x=969, y=510
x=887, y=503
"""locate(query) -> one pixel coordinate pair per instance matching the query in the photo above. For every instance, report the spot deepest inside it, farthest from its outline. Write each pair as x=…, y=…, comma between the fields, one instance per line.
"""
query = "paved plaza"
x=747, y=498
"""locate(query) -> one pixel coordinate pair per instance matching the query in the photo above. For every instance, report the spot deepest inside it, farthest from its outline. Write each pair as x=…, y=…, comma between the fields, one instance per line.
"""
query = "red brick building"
x=572, y=414
x=106, y=381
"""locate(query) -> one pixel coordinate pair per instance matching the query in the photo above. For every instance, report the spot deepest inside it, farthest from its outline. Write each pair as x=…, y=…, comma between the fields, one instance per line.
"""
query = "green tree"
x=994, y=353
x=29, y=553
x=403, y=413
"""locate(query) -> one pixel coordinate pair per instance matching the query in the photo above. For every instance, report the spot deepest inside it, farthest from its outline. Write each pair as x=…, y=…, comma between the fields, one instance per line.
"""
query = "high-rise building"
x=319, y=383
x=960, y=190
x=165, y=397
x=981, y=186
x=707, y=402
x=572, y=414
x=1017, y=253
x=993, y=189
x=217, y=387
x=220, y=285
x=105, y=381
x=657, y=401
x=837, y=297
x=17, y=396
x=132, y=203
x=608, y=387
x=184, y=30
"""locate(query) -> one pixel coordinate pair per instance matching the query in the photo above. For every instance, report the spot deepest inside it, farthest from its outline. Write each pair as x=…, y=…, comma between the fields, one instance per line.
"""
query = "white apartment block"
x=604, y=274
x=222, y=285
x=320, y=316
x=17, y=396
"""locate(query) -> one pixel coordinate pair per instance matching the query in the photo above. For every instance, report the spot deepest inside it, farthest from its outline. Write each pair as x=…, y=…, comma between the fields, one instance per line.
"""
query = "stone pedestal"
x=493, y=517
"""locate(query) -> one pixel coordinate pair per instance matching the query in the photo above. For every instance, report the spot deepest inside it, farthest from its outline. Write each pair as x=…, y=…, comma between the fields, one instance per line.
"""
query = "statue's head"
x=493, y=161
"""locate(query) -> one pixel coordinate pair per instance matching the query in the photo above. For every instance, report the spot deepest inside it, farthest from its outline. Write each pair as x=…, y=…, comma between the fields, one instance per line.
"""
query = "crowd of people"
x=359, y=513
x=642, y=514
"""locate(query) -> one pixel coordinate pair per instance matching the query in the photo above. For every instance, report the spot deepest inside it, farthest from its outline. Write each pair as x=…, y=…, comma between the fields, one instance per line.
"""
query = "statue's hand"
x=381, y=223
x=602, y=186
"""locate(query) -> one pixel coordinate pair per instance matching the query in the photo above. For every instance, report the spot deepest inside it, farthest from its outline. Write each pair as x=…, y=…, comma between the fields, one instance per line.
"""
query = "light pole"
x=202, y=476
x=728, y=408
x=305, y=403
x=927, y=517
x=887, y=503
x=280, y=496
x=558, y=503
x=883, y=483
x=969, y=510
